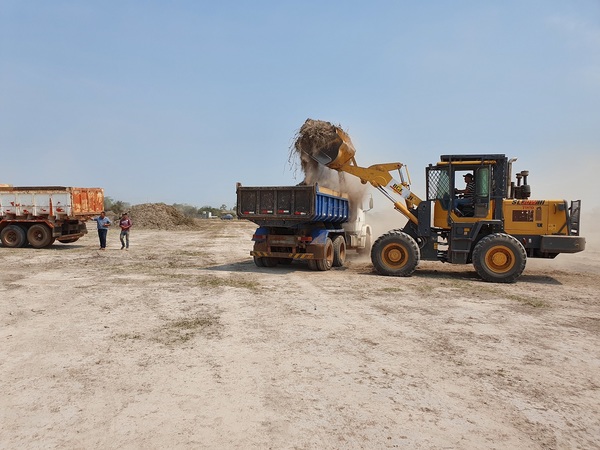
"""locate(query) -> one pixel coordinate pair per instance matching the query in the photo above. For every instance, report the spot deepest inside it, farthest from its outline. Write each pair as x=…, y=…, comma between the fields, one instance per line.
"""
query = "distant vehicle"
x=41, y=215
x=227, y=217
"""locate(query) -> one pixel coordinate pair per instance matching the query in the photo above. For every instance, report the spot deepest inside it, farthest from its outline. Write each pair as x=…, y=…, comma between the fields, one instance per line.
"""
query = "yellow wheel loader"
x=496, y=228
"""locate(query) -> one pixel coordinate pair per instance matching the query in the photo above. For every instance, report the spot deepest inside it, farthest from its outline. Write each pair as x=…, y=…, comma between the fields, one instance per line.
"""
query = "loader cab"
x=448, y=176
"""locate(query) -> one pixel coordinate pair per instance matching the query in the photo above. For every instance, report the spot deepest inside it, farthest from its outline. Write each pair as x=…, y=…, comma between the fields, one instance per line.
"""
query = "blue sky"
x=176, y=101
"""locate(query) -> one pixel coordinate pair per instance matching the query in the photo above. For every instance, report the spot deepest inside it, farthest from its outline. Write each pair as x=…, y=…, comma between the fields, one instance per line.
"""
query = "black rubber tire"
x=270, y=262
x=339, y=251
x=395, y=253
x=260, y=262
x=39, y=235
x=499, y=258
x=13, y=236
x=327, y=262
x=312, y=264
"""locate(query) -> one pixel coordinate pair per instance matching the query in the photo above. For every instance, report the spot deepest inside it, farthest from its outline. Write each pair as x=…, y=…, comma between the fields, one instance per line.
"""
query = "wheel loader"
x=496, y=229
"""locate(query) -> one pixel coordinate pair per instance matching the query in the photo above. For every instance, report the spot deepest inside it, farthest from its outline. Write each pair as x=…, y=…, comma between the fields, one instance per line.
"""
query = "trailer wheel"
x=312, y=264
x=339, y=251
x=13, y=236
x=395, y=254
x=499, y=258
x=327, y=262
x=39, y=235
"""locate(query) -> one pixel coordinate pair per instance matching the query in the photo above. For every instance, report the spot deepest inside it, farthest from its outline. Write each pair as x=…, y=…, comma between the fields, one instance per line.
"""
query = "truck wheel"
x=13, y=236
x=499, y=258
x=339, y=251
x=270, y=262
x=265, y=262
x=327, y=262
x=39, y=235
x=395, y=254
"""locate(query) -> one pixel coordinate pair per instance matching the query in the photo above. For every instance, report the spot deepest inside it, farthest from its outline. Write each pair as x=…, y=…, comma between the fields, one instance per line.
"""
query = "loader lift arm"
x=378, y=175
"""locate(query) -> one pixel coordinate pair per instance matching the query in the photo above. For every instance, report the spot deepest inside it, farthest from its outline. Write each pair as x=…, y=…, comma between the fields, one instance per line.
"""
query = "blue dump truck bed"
x=291, y=205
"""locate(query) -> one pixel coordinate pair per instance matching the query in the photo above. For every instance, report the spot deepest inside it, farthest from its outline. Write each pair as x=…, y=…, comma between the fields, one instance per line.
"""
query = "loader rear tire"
x=13, y=236
x=39, y=235
x=339, y=251
x=395, y=254
x=499, y=258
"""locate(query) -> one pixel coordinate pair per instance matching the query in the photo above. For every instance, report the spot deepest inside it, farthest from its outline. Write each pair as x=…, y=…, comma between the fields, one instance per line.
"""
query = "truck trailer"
x=41, y=215
x=306, y=222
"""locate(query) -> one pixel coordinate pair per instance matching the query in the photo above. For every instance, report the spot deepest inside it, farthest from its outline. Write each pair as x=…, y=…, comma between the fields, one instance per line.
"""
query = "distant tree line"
x=119, y=207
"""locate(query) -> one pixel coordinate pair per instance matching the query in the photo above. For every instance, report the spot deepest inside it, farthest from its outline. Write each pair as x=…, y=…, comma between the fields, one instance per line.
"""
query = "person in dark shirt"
x=467, y=194
x=125, y=224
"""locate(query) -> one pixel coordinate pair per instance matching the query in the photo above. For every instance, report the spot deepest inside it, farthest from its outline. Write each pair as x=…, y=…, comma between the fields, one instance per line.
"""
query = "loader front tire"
x=499, y=258
x=395, y=254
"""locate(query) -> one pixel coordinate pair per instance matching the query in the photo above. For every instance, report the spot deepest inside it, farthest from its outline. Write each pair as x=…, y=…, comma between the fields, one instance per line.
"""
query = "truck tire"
x=13, y=236
x=39, y=235
x=327, y=262
x=261, y=261
x=339, y=251
x=499, y=258
x=396, y=254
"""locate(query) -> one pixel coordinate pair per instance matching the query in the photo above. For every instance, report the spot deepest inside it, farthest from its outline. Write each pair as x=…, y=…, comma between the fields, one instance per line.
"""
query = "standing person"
x=103, y=223
x=125, y=224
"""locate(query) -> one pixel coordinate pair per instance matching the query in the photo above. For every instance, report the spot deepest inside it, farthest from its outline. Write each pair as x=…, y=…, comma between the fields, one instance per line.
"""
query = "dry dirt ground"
x=182, y=342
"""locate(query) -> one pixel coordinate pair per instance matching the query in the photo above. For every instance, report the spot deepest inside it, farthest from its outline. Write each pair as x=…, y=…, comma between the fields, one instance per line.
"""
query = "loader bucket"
x=337, y=152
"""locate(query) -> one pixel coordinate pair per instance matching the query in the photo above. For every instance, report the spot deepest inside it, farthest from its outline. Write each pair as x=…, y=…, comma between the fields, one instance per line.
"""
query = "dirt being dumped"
x=312, y=138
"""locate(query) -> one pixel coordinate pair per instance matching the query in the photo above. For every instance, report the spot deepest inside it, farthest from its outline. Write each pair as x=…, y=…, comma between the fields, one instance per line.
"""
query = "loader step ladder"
x=575, y=216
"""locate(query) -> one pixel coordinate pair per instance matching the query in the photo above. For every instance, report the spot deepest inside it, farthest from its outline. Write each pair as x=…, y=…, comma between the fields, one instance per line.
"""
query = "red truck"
x=41, y=215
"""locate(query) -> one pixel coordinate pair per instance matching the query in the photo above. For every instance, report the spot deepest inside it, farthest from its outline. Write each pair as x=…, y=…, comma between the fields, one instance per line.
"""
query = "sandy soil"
x=182, y=342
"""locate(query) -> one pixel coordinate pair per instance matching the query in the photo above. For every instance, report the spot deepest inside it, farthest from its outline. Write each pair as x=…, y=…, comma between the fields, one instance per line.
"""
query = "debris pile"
x=159, y=216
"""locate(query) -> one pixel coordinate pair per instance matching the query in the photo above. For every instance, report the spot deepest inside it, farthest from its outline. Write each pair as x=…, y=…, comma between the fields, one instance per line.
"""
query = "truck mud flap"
x=282, y=255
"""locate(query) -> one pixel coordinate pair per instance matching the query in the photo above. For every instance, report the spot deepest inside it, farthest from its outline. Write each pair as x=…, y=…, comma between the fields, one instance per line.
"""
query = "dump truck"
x=308, y=222
x=41, y=215
x=496, y=230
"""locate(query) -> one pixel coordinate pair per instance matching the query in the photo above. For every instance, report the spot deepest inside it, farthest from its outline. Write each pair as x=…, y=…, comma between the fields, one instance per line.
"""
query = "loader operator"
x=467, y=195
